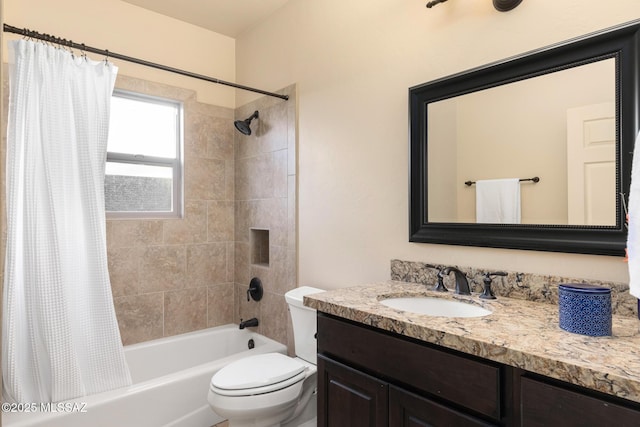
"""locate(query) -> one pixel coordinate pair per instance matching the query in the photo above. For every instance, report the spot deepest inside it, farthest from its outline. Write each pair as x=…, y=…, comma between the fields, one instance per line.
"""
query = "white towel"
x=498, y=201
x=633, y=235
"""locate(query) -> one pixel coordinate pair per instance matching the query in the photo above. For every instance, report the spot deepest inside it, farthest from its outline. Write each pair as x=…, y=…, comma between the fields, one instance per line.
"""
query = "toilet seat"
x=259, y=374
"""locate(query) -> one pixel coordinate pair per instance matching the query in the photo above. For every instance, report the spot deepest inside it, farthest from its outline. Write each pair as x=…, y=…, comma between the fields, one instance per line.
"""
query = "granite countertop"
x=519, y=333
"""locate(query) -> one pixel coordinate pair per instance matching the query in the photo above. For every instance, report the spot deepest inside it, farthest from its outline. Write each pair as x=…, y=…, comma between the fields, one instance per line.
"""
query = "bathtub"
x=170, y=383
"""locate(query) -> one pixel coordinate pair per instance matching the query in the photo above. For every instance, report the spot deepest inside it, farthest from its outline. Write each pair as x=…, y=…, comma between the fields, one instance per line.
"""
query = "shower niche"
x=260, y=247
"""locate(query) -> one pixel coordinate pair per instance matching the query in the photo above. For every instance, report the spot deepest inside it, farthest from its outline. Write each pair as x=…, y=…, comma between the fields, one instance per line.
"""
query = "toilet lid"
x=257, y=371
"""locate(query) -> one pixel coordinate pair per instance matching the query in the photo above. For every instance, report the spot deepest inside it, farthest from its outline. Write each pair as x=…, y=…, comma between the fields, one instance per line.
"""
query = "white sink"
x=435, y=307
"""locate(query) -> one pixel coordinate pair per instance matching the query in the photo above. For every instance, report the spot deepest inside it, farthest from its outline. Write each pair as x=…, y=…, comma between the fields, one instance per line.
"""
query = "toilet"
x=273, y=389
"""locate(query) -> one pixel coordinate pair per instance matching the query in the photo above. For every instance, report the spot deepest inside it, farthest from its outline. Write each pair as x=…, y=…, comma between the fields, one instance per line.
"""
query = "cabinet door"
x=410, y=410
x=547, y=405
x=350, y=398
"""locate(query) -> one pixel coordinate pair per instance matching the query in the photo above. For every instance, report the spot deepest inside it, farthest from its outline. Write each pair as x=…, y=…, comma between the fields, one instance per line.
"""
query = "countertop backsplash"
x=527, y=286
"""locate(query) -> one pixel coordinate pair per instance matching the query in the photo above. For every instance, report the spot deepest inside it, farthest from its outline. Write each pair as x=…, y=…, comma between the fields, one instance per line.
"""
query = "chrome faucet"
x=462, y=285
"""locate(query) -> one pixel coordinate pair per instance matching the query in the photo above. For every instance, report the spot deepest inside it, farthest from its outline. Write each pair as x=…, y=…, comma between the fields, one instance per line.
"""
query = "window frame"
x=176, y=164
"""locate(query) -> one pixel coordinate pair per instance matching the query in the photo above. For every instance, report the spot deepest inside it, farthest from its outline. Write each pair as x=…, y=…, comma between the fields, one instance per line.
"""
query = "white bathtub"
x=170, y=383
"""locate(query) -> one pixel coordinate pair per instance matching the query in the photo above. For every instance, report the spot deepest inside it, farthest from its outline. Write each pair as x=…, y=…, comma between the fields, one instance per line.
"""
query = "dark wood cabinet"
x=371, y=377
x=545, y=404
x=349, y=398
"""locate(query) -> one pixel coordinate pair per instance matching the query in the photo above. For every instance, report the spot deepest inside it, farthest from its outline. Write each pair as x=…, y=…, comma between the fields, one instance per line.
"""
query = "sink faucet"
x=248, y=323
x=462, y=285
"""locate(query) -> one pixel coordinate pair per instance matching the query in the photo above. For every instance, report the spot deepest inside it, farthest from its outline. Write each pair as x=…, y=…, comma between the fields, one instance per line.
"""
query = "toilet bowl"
x=272, y=389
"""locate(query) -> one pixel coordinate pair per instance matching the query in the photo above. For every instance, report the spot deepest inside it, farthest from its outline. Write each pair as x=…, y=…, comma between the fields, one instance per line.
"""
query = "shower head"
x=243, y=126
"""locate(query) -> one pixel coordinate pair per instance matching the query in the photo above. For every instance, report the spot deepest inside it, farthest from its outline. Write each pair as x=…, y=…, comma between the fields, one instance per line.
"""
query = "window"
x=143, y=171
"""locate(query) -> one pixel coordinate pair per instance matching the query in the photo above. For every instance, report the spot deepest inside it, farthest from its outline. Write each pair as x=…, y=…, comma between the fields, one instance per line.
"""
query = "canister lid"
x=584, y=288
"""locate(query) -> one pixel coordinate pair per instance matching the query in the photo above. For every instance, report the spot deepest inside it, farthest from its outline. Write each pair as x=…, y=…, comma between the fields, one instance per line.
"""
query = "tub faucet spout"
x=248, y=323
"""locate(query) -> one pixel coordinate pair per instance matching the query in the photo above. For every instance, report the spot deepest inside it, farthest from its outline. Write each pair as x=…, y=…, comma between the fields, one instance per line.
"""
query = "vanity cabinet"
x=371, y=377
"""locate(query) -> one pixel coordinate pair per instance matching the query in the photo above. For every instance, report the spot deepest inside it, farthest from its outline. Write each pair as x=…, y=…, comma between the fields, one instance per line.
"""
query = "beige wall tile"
x=220, y=308
x=273, y=131
x=191, y=229
x=204, y=179
x=231, y=261
x=292, y=135
x=194, y=144
x=124, y=272
x=281, y=268
x=244, y=212
x=292, y=213
x=206, y=264
x=140, y=317
x=163, y=268
x=218, y=135
x=185, y=310
x=122, y=233
x=241, y=263
x=274, y=316
x=230, y=179
x=220, y=221
x=262, y=176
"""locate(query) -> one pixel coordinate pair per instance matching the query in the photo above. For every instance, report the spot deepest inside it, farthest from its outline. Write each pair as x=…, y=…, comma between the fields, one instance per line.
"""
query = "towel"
x=633, y=235
x=498, y=201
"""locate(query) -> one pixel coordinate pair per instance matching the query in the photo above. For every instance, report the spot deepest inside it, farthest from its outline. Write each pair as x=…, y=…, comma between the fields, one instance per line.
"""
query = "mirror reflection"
x=559, y=127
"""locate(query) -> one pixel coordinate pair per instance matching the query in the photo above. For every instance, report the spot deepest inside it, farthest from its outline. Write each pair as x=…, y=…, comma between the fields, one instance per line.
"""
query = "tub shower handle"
x=255, y=290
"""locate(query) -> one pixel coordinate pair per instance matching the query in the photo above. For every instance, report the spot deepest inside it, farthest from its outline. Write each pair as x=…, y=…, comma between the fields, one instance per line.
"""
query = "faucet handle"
x=487, y=293
x=440, y=287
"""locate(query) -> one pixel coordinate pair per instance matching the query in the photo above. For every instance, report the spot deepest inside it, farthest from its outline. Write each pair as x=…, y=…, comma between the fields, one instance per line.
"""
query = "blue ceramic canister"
x=585, y=309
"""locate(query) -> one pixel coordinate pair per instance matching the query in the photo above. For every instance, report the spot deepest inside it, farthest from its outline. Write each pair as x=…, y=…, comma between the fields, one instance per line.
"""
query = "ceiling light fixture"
x=500, y=5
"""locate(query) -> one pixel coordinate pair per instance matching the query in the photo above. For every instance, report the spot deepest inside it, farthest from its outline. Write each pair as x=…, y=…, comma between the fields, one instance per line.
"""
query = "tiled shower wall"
x=176, y=275
x=265, y=182
x=172, y=276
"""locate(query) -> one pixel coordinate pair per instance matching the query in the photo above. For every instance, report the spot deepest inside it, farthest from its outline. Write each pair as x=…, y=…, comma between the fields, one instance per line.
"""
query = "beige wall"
x=130, y=30
x=353, y=63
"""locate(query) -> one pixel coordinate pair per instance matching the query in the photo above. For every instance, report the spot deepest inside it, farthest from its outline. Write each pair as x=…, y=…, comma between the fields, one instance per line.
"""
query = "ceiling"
x=228, y=17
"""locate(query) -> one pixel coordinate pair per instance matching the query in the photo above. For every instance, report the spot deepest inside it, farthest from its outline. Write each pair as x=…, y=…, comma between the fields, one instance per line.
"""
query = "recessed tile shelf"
x=260, y=247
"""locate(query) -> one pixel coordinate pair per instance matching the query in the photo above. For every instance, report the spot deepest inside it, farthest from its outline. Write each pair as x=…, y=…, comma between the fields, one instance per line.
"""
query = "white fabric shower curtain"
x=60, y=334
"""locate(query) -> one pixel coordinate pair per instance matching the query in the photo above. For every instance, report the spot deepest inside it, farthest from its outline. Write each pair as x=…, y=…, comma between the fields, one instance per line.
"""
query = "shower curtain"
x=60, y=334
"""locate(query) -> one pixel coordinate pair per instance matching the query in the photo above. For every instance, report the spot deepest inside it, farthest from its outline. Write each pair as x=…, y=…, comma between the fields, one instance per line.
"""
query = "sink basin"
x=435, y=307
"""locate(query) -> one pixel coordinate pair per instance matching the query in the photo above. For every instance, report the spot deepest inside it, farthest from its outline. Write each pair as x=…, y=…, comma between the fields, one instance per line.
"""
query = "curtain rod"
x=68, y=43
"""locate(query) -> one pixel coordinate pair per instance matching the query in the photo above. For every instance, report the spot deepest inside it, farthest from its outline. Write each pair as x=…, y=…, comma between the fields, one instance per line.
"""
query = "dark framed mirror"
x=567, y=114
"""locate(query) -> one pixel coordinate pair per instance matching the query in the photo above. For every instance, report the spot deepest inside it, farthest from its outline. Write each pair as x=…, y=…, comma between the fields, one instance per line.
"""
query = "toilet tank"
x=304, y=323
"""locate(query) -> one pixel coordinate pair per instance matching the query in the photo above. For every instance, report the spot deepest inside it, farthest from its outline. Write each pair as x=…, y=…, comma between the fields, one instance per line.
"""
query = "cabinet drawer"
x=466, y=382
x=408, y=409
x=548, y=405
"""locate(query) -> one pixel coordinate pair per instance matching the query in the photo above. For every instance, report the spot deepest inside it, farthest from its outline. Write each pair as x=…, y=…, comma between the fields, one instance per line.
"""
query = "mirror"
x=558, y=124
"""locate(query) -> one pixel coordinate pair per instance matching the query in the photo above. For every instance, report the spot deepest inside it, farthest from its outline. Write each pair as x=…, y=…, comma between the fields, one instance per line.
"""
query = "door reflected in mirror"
x=559, y=126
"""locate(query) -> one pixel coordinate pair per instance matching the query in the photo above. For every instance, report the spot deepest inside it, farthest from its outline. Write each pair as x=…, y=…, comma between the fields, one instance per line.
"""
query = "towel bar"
x=534, y=179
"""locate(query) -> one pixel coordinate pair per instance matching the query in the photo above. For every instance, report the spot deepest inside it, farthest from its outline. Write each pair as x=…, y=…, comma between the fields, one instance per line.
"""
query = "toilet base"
x=308, y=417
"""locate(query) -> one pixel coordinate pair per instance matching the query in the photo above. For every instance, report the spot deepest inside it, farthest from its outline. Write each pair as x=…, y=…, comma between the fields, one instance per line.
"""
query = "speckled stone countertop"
x=519, y=333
